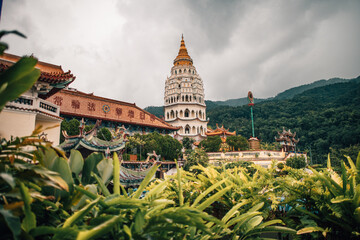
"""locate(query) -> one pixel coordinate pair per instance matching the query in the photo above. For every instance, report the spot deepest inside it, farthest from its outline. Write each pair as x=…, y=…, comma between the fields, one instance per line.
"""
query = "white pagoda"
x=184, y=103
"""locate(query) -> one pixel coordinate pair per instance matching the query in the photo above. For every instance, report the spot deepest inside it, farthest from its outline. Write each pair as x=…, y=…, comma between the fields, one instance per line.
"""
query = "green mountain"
x=290, y=93
x=323, y=117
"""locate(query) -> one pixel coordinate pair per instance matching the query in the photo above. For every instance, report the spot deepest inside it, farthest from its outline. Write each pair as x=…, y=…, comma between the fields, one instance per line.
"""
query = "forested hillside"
x=290, y=93
x=323, y=117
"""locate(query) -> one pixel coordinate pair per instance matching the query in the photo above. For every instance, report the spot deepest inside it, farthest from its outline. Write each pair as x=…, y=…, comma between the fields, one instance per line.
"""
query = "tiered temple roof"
x=50, y=74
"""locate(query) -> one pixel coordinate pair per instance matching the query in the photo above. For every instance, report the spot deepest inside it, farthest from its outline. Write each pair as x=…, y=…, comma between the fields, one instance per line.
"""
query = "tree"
x=237, y=143
x=296, y=162
x=198, y=156
x=187, y=143
x=71, y=127
x=211, y=144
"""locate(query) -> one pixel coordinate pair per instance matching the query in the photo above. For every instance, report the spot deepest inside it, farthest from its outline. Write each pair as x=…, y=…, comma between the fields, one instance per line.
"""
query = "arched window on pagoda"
x=167, y=115
x=192, y=113
x=181, y=113
x=183, y=98
x=175, y=72
x=180, y=71
x=187, y=129
x=193, y=131
x=186, y=98
x=190, y=98
x=198, y=130
x=200, y=114
x=201, y=130
x=172, y=114
x=187, y=113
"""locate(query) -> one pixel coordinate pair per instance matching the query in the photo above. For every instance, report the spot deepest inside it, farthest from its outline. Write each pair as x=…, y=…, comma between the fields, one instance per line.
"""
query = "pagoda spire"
x=183, y=57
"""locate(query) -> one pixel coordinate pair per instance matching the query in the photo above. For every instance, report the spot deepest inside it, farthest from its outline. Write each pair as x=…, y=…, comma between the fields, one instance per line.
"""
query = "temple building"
x=32, y=109
x=287, y=140
x=184, y=103
x=113, y=113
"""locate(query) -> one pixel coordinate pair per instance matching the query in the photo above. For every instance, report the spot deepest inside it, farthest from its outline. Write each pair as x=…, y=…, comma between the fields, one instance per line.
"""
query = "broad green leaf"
x=76, y=161
x=252, y=223
x=105, y=169
x=90, y=164
x=116, y=173
x=19, y=78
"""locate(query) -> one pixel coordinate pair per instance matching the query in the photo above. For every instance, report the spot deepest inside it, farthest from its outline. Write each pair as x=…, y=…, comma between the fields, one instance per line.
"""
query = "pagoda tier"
x=184, y=100
x=287, y=140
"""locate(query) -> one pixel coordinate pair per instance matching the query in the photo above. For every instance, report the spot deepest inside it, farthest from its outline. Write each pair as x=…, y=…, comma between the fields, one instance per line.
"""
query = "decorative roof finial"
x=182, y=36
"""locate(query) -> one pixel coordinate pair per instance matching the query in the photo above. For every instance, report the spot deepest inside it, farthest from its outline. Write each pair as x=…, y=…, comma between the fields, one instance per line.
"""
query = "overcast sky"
x=125, y=49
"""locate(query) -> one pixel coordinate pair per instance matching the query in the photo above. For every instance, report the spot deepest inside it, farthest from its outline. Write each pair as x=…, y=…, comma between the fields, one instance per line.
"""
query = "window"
x=187, y=129
x=187, y=113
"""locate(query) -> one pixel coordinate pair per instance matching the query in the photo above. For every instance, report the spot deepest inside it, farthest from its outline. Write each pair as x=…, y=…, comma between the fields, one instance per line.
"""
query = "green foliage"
x=187, y=143
x=166, y=146
x=326, y=204
x=339, y=155
x=71, y=127
x=211, y=144
x=198, y=156
x=296, y=162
